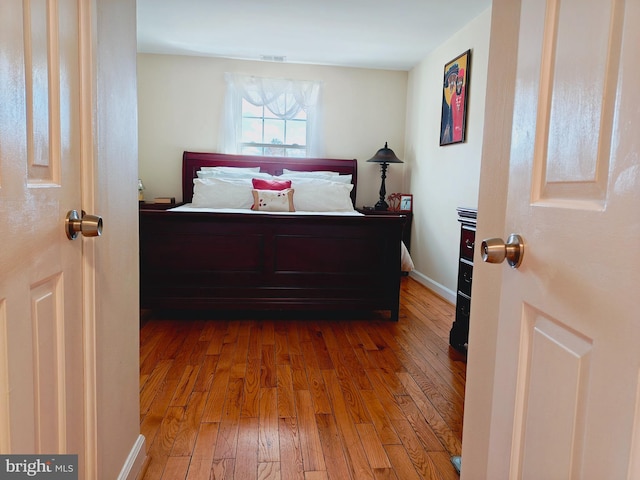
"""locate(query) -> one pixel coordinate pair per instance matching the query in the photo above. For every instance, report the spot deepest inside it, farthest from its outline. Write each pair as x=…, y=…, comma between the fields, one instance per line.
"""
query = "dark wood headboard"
x=192, y=161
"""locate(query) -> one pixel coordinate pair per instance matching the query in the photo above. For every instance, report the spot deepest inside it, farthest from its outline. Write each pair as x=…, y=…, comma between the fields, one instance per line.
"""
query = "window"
x=263, y=133
x=271, y=117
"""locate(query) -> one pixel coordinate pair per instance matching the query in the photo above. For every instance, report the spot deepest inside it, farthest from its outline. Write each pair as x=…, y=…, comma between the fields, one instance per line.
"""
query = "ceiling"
x=379, y=34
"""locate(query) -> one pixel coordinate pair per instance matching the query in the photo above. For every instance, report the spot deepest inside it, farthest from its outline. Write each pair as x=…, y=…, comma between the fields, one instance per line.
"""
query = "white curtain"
x=271, y=92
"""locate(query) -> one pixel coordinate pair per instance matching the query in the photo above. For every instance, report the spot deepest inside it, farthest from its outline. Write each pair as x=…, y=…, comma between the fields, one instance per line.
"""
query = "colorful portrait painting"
x=454, y=99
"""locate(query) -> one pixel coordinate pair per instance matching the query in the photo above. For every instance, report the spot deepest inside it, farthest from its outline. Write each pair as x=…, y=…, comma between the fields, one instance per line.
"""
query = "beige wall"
x=443, y=178
x=180, y=101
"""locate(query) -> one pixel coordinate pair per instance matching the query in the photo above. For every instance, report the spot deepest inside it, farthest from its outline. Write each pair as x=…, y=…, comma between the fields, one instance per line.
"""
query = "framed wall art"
x=454, y=99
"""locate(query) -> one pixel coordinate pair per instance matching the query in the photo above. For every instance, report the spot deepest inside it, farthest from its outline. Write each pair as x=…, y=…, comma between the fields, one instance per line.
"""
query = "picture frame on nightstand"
x=400, y=202
x=406, y=203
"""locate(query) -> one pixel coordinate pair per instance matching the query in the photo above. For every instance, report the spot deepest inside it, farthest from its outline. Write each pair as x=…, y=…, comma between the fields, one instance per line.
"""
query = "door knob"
x=494, y=250
x=88, y=225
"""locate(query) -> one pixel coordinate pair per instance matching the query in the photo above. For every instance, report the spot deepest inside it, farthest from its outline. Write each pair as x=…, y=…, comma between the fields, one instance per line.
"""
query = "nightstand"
x=406, y=231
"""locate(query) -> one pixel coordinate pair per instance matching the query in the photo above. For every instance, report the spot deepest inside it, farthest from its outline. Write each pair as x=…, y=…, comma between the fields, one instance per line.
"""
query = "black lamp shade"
x=384, y=157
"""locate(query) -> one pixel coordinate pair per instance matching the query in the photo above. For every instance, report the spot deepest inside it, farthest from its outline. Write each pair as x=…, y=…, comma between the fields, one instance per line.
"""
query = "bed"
x=201, y=257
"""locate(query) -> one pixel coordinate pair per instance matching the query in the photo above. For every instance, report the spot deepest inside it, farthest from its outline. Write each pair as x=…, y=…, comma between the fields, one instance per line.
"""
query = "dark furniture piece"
x=156, y=206
x=236, y=261
x=406, y=231
x=459, y=334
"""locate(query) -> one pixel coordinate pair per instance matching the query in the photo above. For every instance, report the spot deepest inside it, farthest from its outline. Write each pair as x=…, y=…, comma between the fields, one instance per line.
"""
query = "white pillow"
x=318, y=195
x=222, y=193
x=320, y=176
x=231, y=174
x=314, y=173
x=342, y=178
x=230, y=169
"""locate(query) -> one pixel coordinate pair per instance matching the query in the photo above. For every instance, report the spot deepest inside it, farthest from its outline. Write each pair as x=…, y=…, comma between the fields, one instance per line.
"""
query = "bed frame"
x=228, y=261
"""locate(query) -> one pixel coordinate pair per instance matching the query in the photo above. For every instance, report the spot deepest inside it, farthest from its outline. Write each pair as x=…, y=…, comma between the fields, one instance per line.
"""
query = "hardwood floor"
x=284, y=398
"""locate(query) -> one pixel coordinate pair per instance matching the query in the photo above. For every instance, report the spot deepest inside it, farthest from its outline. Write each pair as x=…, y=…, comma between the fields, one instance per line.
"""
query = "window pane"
x=268, y=113
x=274, y=131
x=296, y=133
x=250, y=110
x=251, y=150
x=296, y=152
x=274, y=151
x=251, y=130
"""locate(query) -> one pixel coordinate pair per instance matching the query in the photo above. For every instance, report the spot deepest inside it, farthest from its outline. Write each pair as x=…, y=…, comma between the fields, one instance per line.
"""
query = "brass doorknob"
x=494, y=250
x=87, y=225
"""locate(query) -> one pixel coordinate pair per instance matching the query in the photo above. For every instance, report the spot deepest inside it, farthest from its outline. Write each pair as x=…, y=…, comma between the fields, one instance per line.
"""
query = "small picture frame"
x=406, y=202
x=394, y=202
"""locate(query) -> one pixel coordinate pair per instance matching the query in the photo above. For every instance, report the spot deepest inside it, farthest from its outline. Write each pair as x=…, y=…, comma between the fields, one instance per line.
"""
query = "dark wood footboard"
x=223, y=261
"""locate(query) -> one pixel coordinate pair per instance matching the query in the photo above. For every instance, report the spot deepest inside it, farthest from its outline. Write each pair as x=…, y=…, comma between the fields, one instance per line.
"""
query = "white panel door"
x=565, y=386
x=41, y=332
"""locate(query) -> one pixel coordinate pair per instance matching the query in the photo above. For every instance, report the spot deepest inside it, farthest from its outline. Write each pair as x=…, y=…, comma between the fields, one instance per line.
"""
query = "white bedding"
x=187, y=207
x=406, y=262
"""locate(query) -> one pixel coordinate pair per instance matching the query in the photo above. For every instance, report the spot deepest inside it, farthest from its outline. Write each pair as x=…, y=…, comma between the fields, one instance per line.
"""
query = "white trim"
x=437, y=288
x=133, y=465
x=86, y=41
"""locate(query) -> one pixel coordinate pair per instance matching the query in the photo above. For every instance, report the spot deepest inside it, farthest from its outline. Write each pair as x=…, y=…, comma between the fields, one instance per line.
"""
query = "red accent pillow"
x=262, y=184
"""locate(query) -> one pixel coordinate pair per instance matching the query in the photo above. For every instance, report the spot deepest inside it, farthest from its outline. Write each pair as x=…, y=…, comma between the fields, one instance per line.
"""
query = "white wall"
x=444, y=178
x=180, y=101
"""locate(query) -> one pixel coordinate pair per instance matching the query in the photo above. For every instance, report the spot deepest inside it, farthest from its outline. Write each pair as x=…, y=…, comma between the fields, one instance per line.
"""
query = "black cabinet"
x=459, y=334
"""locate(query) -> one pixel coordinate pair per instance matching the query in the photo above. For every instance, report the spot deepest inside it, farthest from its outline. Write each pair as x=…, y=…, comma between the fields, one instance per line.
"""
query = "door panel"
x=48, y=364
x=549, y=346
x=40, y=281
x=563, y=395
x=576, y=99
x=69, y=309
x=566, y=107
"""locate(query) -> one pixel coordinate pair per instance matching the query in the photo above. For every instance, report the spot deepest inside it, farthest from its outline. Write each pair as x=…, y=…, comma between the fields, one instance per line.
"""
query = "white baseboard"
x=135, y=460
x=438, y=289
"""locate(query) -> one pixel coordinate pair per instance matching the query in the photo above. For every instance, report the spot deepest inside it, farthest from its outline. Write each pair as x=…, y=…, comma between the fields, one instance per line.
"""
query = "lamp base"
x=381, y=205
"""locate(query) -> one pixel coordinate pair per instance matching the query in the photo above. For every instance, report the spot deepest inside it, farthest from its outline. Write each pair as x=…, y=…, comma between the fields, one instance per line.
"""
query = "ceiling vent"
x=273, y=58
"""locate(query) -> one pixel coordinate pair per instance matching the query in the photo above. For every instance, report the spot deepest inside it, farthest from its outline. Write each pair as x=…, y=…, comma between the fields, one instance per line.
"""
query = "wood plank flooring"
x=317, y=398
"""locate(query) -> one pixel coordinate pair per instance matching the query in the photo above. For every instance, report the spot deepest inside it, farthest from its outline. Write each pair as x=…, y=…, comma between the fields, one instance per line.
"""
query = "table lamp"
x=384, y=157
